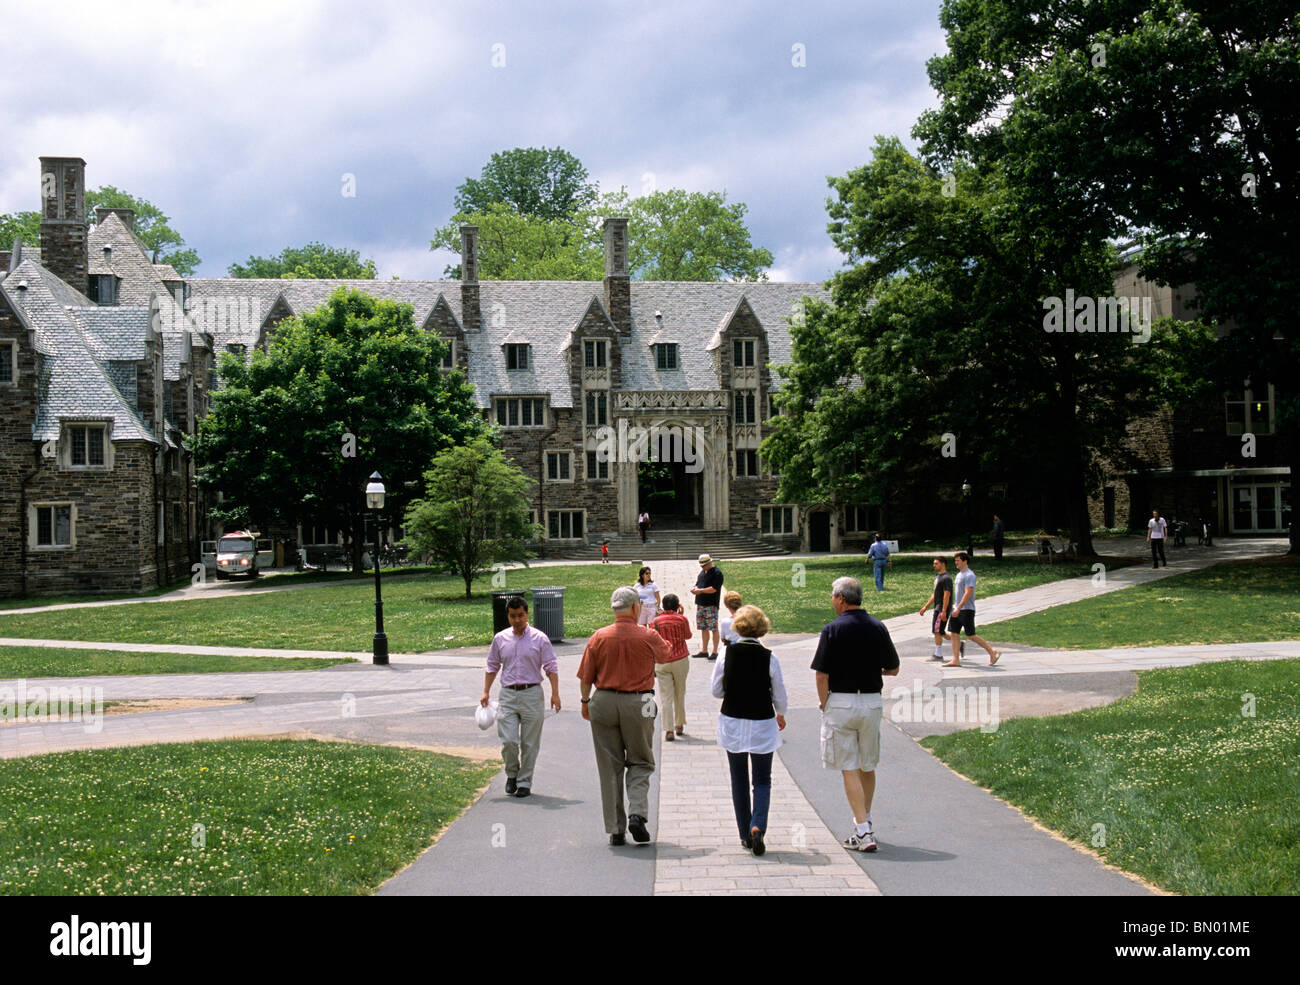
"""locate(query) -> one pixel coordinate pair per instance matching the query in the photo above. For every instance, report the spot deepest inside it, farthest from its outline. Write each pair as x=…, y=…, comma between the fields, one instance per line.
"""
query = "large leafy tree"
x=937, y=329
x=672, y=235
x=313, y=261
x=546, y=183
x=154, y=229
x=516, y=246
x=20, y=225
x=1175, y=121
x=342, y=391
x=474, y=513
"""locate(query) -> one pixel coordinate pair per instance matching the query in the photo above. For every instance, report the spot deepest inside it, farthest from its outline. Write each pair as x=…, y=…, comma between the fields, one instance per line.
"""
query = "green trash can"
x=548, y=610
x=500, y=620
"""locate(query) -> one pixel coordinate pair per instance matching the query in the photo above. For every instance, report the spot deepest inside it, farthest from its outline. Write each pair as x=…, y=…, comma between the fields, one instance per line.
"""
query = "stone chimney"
x=470, y=316
x=5, y=257
x=63, y=220
x=127, y=216
x=618, y=288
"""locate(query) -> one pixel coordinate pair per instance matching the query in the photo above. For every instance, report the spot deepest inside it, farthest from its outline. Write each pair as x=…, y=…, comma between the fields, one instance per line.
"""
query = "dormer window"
x=742, y=352
x=87, y=446
x=103, y=288
x=594, y=353
x=517, y=356
x=666, y=355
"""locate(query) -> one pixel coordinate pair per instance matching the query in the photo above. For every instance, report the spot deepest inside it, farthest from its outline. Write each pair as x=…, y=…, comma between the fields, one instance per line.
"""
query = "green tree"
x=680, y=235
x=313, y=261
x=153, y=228
x=474, y=513
x=342, y=391
x=938, y=330
x=516, y=246
x=20, y=225
x=1175, y=121
x=672, y=235
x=547, y=183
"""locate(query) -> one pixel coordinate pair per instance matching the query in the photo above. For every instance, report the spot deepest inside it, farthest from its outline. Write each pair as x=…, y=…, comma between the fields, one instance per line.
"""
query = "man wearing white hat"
x=521, y=654
x=619, y=663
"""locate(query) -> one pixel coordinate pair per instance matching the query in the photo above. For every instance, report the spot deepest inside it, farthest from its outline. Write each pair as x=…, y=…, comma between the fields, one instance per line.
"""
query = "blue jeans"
x=745, y=817
x=879, y=567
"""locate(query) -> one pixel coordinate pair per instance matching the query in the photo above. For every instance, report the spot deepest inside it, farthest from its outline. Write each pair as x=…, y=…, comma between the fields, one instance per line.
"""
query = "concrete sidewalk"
x=938, y=833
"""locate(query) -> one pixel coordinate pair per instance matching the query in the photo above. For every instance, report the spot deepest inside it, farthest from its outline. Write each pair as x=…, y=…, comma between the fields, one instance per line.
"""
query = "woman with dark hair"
x=747, y=677
x=649, y=594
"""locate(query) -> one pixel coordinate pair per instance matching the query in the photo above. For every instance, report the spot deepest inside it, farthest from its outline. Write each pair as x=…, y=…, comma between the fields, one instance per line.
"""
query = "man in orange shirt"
x=619, y=662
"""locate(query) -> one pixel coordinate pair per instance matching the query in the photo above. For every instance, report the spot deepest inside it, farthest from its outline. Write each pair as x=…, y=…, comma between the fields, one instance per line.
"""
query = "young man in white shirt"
x=1156, y=530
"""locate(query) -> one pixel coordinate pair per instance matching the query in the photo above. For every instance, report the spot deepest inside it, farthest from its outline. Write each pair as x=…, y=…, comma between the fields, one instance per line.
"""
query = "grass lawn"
x=279, y=817
x=1194, y=796
x=1237, y=602
x=43, y=661
x=431, y=613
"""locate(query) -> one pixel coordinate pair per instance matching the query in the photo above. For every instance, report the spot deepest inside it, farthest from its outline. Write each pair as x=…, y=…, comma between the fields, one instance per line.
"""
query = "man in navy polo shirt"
x=853, y=656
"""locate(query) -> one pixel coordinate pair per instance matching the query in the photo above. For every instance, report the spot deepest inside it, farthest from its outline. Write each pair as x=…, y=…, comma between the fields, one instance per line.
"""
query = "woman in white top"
x=747, y=677
x=649, y=593
x=730, y=605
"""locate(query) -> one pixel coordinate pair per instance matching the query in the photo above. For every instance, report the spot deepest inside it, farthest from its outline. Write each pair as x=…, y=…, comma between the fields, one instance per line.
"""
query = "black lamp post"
x=375, y=501
x=970, y=539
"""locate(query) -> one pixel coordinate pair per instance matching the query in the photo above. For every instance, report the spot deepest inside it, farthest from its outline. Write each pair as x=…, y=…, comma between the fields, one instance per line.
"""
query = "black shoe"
x=713, y=656
x=511, y=785
x=618, y=839
x=701, y=654
x=523, y=791
x=636, y=824
x=756, y=840
x=746, y=844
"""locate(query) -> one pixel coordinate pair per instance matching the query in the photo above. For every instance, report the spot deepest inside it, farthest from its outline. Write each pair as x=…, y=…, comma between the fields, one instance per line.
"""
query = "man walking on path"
x=999, y=537
x=708, y=593
x=878, y=555
x=853, y=656
x=941, y=599
x=619, y=662
x=670, y=674
x=525, y=653
x=963, y=618
x=1156, y=530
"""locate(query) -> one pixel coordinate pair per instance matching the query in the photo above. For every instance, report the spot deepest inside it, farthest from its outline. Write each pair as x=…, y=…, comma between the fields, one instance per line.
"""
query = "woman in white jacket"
x=747, y=677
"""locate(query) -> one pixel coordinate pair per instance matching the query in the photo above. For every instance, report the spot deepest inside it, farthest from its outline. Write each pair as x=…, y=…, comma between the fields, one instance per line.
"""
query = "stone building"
x=1221, y=460
x=101, y=375
x=618, y=397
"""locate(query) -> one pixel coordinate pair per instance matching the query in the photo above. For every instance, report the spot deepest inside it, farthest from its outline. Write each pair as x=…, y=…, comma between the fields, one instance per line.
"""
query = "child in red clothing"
x=604, y=552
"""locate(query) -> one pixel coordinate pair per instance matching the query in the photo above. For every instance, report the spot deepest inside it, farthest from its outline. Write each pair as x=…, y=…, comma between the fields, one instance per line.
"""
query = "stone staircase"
x=669, y=545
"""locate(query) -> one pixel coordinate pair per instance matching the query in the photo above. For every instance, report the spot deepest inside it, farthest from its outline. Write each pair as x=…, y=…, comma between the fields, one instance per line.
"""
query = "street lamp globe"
x=375, y=492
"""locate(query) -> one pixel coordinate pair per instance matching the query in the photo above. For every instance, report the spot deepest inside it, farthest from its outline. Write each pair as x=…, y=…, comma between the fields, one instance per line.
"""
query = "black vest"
x=747, y=682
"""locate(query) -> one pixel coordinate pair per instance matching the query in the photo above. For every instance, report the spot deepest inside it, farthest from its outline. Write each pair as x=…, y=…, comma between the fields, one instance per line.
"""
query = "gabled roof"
x=75, y=382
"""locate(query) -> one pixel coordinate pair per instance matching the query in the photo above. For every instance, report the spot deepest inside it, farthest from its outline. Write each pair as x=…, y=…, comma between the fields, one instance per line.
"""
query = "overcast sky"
x=240, y=119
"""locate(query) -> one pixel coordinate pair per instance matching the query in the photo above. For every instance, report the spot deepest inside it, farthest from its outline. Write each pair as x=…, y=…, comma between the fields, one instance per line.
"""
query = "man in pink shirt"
x=525, y=653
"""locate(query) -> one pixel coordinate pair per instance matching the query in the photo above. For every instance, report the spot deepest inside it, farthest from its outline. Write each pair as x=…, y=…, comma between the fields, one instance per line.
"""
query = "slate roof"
x=141, y=282
x=546, y=315
x=76, y=383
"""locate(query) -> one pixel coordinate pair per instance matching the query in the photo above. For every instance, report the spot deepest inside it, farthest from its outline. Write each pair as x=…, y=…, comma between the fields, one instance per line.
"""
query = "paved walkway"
x=938, y=833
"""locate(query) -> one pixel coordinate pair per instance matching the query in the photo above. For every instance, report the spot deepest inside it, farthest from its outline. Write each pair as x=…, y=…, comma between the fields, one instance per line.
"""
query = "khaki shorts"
x=851, y=731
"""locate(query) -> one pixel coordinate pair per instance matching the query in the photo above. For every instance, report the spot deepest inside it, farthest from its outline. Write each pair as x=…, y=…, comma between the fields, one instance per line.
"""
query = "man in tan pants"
x=619, y=662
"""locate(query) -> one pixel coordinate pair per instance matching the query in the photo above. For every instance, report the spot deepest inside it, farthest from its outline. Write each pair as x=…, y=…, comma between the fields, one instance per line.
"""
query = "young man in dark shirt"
x=708, y=593
x=854, y=655
x=941, y=599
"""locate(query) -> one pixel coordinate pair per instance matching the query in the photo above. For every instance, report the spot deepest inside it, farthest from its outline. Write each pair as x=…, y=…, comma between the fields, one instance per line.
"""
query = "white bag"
x=485, y=715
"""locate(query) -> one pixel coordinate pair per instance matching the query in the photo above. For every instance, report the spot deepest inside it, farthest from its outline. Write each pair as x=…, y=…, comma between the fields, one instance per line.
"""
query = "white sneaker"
x=860, y=843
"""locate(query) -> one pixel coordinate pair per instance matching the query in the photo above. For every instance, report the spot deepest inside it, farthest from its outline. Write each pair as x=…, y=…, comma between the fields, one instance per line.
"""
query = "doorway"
x=819, y=532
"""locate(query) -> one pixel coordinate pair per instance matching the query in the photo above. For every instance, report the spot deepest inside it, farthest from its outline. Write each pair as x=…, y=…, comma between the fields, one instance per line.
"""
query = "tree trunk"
x=469, y=580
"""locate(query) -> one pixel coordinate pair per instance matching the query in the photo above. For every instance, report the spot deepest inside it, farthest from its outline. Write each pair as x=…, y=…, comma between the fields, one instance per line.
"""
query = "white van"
x=237, y=555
